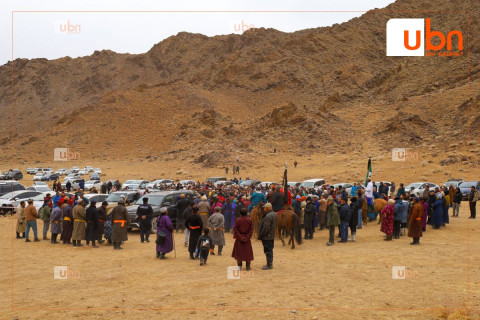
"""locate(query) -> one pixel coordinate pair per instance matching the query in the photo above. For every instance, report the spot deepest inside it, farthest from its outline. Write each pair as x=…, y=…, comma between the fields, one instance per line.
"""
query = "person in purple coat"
x=56, y=220
x=164, y=234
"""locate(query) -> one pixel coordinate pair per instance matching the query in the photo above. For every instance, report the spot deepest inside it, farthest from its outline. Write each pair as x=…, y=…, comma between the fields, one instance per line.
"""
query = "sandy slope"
x=345, y=280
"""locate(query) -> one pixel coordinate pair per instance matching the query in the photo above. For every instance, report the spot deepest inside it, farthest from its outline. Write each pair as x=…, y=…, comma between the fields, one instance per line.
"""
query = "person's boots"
x=45, y=238
x=119, y=246
x=240, y=265
x=352, y=238
x=36, y=240
x=162, y=255
x=18, y=236
x=191, y=256
x=79, y=243
x=23, y=235
x=248, y=266
x=158, y=254
x=268, y=266
x=27, y=240
x=388, y=238
x=220, y=248
x=94, y=245
x=417, y=241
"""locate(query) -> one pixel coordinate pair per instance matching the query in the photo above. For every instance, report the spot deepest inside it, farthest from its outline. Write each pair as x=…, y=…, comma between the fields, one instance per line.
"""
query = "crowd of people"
x=207, y=212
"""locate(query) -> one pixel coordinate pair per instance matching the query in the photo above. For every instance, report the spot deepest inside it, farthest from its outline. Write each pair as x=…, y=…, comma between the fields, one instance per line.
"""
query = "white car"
x=98, y=170
x=417, y=188
x=61, y=172
x=82, y=172
x=135, y=184
x=345, y=185
x=224, y=183
x=72, y=176
x=38, y=176
x=40, y=188
x=187, y=182
x=89, y=169
x=313, y=183
x=31, y=170
x=74, y=182
x=11, y=200
x=268, y=184
x=93, y=183
x=158, y=182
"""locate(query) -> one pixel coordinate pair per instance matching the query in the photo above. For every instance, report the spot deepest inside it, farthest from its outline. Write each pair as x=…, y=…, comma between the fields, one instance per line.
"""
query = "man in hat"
x=345, y=215
x=120, y=223
x=44, y=213
x=415, y=223
x=333, y=219
x=203, y=209
x=256, y=198
x=91, y=232
x=216, y=223
x=31, y=216
x=267, y=229
x=308, y=218
x=144, y=216
x=79, y=221
x=56, y=219
x=67, y=225
x=472, y=201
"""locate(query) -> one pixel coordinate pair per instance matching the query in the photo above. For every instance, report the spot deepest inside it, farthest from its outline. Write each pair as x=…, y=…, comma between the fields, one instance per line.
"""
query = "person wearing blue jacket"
x=399, y=215
x=345, y=215
x=437, y=214
x=256, y=198
x=353, y=191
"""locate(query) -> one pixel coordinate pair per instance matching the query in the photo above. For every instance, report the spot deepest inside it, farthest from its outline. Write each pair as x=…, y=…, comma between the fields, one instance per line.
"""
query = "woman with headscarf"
x=437, y=214
x=387, y=222
x=164, y=234
x=242, y=233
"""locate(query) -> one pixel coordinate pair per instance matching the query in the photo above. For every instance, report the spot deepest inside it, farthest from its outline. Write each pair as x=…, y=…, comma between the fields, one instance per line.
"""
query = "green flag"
x=369, y=171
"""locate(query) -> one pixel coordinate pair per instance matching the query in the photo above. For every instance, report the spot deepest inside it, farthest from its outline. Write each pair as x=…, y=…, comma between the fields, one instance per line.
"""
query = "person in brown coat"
x=79, y=221
x=31, y=216
x=416, y=222
x=242, y=233
x=21, y=220
x=120, y=223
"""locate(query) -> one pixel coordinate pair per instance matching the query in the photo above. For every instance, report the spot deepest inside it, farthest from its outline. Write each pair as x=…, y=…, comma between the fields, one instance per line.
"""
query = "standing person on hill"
x=308, y=218
x=67, y=224
x=195, y=226
x=79, y=216
x=164, y=234
x=392, y=189
x=102, y=218
x=322, y=212
x=387, y=222
x=144, y=216
x=415, y=223
x=227, y=211
x=333, y=219
x=56, y=219
x=44, y=213
x=353, y=218
x=457, y=199
x=31, y=216
x=120, y=223
x=472, y=202
x=20, y=215
x=204, y=209
x=216, y=223
x=242, y=233
x=91, y=216
x=267, y=228
x=345, y=216
x=437, y=214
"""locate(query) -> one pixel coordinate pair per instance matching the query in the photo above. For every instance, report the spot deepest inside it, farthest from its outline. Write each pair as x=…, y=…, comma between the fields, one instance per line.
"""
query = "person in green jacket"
x=333, y=219
x=44, y=213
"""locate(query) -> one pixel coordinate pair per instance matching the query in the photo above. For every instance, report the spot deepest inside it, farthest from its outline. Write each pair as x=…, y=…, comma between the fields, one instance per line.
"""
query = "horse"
x=256, y=215
x=288, y=222
x=379, y=205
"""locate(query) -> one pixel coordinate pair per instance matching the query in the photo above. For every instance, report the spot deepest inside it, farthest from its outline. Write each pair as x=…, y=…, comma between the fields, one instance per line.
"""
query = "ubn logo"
x=402, y=273
x=64, y=273
x=411, y=37
x=402, y=154
x=241, y=28
x=65, y=154
x=65, y=27
x=235, y=273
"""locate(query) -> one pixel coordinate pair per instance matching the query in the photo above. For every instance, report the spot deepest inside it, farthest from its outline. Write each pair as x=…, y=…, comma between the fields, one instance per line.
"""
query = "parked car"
x=95, y=176
x=14, y=174
x=10, y=201
x=417, y=188
x=453, y=182
x=38, y=200
x=38, y=176
x=215, y=179
x=61, y=172
x=89, y=169
x=250, y=183
x=40, y=188
x=313, y=183
x=31, y=170
x=187, y=182
x=224, y=183
x=93, y=183
x=72, y=176
x=82, y=172
x=345, y=185
x=98, y=170
x=268, y=184
x=158, y=182
x=135, y=184
x=50, y=177
x=157, y=200
x=114, y=197
x=466, y=186
x=47, y=170
x=9, y=186
x=293, y=184
x=74, y=182
x=98, y=197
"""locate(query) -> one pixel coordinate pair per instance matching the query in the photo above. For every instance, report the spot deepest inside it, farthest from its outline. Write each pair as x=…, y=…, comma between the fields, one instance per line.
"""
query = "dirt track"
x=345, y=280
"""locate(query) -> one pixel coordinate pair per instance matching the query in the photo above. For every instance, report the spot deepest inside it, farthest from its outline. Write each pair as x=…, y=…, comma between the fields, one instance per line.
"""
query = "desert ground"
x=313, y=281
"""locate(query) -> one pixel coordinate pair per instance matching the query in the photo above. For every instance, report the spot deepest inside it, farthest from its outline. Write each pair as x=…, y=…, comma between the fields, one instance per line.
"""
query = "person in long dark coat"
x=437, y=214
x=102, y=218
x=78, y=233
x=67, y=225
x=242, y=233
x=91, y=232
x=164, y=224
x=194, y=224
x=120, y=223
x=227, y=213
x=416, y=222
x=56, y=220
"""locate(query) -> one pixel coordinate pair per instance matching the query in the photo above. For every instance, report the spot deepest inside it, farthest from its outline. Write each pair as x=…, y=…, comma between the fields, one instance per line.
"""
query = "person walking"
x=204, y=245
x=44, y=213
x=267, y=229
x=242, y=233
x=333, y=219
x=144, y=216
x=216, y=223
x=457, y=199
x=31, y=216
x=164, y=234
x=120, y=223
x=79, y=215
x=194, y=225
x=21, y=224
x=204, y=209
